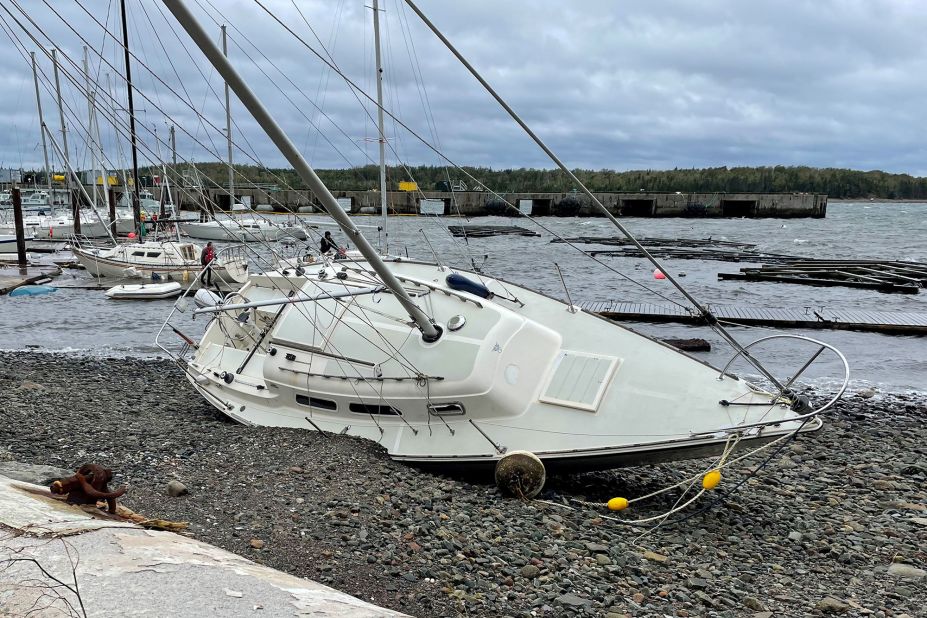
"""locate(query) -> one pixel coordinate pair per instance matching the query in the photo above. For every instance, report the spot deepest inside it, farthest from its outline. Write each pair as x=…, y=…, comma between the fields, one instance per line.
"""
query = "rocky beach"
x=835, y=523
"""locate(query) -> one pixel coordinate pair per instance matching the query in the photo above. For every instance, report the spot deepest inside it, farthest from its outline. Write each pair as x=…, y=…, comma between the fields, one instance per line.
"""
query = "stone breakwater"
x=836, y=524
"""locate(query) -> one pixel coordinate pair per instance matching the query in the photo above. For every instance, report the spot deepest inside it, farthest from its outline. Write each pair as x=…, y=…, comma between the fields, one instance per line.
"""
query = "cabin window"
x=154, y=253
x=315, y=402
x=187, y=252
x=138, y=253
x=454, y=408
x=366, y=408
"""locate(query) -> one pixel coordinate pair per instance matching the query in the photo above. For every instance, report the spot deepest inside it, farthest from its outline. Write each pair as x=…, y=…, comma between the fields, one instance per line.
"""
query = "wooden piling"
x=112, y=211
x=75, y=211
x=18, y=224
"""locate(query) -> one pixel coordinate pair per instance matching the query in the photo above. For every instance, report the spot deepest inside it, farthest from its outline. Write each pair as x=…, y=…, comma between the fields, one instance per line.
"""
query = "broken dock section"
x=886, y=322
x=882, y=276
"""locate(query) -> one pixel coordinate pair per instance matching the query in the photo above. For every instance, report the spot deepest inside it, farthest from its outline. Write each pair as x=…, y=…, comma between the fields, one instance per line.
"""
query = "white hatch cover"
x=579, y=380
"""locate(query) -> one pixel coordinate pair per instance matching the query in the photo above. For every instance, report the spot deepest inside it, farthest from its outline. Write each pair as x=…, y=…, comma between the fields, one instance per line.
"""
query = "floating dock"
x=886, y=322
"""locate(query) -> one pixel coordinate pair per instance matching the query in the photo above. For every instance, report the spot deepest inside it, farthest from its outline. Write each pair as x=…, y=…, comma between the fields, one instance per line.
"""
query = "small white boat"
x=145, y=291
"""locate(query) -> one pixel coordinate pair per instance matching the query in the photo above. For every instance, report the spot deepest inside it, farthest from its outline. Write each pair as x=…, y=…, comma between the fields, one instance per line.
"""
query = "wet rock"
x=571, y=600
x=176, y=489
x=906, y=571
x=530, y=571
x=830, y=605
x=697, y=583
x=689, y=345
x=28, y=385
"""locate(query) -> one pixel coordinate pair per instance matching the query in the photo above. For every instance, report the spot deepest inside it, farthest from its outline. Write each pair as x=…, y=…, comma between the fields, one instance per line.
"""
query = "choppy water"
x=85, y=322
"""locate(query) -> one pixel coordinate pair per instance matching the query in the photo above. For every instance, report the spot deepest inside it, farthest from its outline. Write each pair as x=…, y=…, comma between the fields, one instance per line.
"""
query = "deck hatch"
x=579, y=380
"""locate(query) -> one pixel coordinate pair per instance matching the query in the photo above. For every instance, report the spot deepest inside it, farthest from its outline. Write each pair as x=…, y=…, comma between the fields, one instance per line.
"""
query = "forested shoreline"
x=836, y=183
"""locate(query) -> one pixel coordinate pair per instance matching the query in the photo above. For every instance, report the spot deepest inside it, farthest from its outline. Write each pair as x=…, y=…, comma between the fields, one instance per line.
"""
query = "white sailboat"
x=453, y=368
x=241, y=229
x=162, y=260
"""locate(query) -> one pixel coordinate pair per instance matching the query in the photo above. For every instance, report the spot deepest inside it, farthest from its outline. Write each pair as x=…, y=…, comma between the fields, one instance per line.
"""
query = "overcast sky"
x=620, y=85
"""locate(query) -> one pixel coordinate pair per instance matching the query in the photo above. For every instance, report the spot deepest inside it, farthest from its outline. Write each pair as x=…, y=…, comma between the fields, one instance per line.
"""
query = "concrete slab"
x=119, y=569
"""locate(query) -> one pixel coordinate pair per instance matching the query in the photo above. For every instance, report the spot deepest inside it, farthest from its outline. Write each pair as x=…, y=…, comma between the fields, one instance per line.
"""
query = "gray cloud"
x=608, y=85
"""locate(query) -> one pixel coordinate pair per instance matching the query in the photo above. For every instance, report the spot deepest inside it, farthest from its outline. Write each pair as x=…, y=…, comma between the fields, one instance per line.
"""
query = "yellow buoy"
x=711, y=480
x=618, y=504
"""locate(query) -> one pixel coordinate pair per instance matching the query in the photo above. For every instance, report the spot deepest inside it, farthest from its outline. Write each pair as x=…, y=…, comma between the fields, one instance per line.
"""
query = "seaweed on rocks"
x=826, y=519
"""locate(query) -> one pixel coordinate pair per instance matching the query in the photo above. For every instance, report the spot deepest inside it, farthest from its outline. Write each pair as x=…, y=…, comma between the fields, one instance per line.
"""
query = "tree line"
x=835, y=182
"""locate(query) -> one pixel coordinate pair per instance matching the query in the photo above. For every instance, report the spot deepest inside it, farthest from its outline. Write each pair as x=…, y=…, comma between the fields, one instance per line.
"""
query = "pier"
x=885, y=322
x=477, y=203
x=484, y=203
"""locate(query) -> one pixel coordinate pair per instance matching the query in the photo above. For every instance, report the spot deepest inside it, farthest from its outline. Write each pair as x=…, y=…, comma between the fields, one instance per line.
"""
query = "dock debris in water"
x=689, y=345
x=882, y=276
x=484, y=231
x=886, y=322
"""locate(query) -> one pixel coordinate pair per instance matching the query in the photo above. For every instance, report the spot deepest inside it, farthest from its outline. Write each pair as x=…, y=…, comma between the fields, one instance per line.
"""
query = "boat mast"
x=75, y=203
x=430, y=331
x=96, y=147
x=384, y=245
x=136, y=205
x=38, y=103
x=73, y=174
x=228, y=124
x=91, y=141
x=64, y=127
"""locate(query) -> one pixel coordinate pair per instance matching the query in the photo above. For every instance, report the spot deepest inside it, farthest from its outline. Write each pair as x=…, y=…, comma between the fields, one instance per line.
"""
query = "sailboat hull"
x=121, y=264
x=580, y=392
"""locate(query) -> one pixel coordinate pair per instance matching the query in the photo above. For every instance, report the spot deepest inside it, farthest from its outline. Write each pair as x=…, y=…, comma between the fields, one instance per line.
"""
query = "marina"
x=304, y=360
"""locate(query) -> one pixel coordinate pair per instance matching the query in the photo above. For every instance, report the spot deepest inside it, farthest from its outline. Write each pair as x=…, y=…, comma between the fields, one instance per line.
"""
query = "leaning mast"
x=430, y=331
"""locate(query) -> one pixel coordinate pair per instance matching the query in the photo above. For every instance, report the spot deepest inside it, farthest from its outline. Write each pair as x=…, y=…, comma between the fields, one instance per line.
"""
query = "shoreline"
x=824, y=521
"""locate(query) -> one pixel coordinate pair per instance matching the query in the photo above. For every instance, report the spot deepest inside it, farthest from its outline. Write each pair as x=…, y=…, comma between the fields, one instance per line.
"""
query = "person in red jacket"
x=206, y=258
